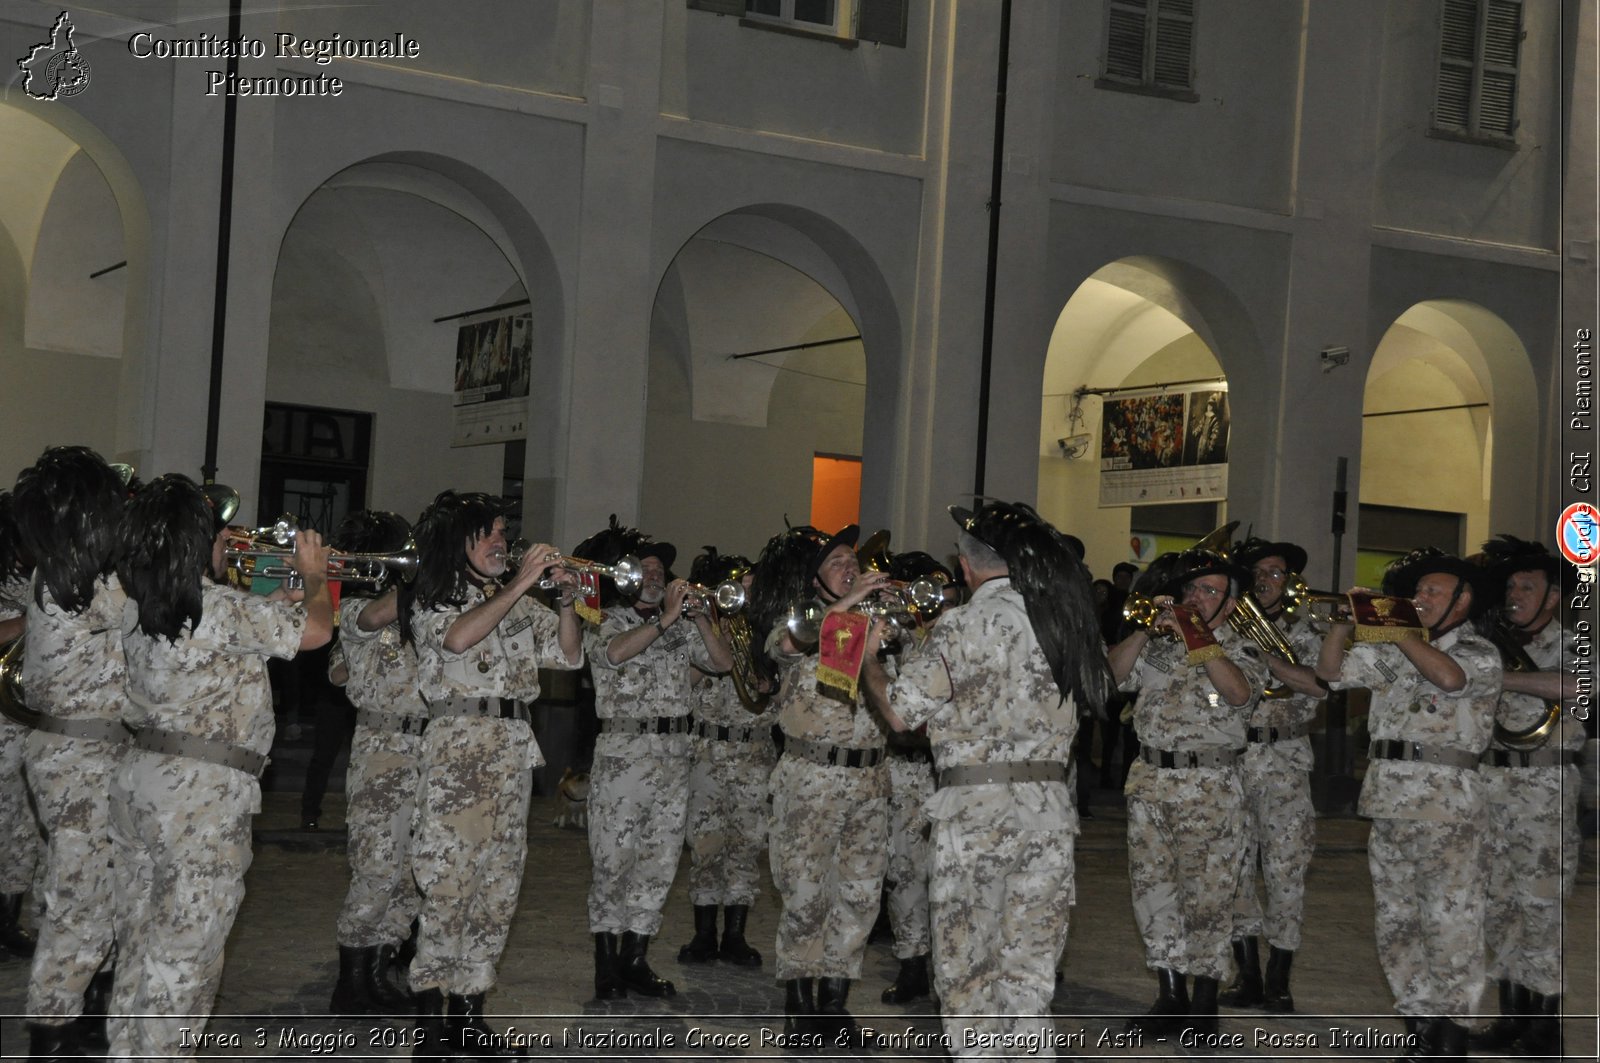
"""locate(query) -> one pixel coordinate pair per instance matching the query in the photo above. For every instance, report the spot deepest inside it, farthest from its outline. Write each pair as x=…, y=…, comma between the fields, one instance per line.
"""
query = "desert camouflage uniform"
x=639, y=784
x=181, y=826
x=910, y=844
x=1427, y=823
x=1002, y=881
x=20, y=840
x=1186, y=825
x=73, y=669
x=382, y=780
x=830, y=828
x=1533, y=821
x=727, y=794
x=470, y=836
x=1280, y=820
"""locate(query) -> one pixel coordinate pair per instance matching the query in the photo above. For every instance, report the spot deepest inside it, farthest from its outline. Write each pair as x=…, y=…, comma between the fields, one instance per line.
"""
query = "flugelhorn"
x=727, y=597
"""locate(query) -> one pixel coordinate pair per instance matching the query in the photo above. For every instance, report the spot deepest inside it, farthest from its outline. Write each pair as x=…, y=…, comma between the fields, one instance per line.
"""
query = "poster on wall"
x=493, y=361
x=1165, y=446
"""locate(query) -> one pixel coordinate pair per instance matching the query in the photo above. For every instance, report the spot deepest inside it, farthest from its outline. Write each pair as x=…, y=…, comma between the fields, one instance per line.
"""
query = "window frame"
x=1147, y=85
x=1472, y=131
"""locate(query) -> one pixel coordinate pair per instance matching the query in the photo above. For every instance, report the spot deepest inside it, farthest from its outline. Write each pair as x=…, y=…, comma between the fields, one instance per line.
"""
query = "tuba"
x=1248, y=619
x=12, y=706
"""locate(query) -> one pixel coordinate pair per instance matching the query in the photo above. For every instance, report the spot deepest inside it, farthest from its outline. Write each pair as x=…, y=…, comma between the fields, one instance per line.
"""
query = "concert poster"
x=1168, y=445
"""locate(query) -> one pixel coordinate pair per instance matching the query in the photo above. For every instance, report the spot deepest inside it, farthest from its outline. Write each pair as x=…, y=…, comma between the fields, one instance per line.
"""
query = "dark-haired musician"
x=1532, y=843
x=67, y=505
x=20, y=841
x=479, y=647
x=727, y=818
x=379, y=675
x=999, y=683
x=1433, y=706
x=1280, y=820
x=641, y=657
x=182, y=799
x=1185, y=801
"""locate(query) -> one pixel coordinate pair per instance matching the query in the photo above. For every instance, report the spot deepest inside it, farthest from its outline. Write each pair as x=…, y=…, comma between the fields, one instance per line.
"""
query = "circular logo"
x=1578, y=533
x=67, y=74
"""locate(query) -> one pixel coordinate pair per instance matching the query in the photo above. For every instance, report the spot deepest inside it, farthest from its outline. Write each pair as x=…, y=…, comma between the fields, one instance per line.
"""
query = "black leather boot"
x=607, y=976
x=352, y=993
x=1543, y=1035
x=470, y=1037
x=799, y=1005
x=388, y=997
x=1450, y=1041
x=1503, y=1032
x=911, y=983
x=52, y=1044
x=13, y=938
x=1245, y=992
x=1423, y=1045
x=1203, y=1005
x=91, y=1025
x=702, y=948
x=431, y=1039
x=1166, y=1014
x=408, y=948
x=635, y=968
x=735, y=949
x=1275, y=993
x=832, y=1017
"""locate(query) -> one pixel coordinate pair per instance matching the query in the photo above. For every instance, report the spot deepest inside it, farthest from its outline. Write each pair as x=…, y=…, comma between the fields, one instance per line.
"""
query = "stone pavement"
x=281, y=964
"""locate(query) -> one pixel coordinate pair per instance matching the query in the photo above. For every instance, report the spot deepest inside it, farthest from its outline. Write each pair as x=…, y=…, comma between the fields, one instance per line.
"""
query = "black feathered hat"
x=67, y=507
x=712, y=568
x=372, y=531
x=1506, y=555
x=914, y=565
x=1403, y=575
x=666, y=553
x=1193, y=563
x=783, y=580
x=1049, y=574
x=1251, y=550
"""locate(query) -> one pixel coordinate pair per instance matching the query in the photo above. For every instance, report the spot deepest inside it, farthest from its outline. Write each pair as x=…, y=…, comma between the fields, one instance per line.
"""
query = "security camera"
x=1333, y=357
x=1073, y=447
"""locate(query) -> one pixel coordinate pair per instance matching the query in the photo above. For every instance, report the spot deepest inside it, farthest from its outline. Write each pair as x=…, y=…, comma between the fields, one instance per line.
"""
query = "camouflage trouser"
x=70, y=778
x=182, y=834
x=1427, y=891
x=1185, y=855
x=20, y=841
x=828, y=846
x=910, y=787
x=727, y=819
x=1000, y=900
x=1533, y=819
x=1280, y=833
x=385, y=770
x=637, y=809
x=468, y=848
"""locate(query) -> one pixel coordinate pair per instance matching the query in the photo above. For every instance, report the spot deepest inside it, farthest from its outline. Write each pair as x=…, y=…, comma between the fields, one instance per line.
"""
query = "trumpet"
x=725, y=598
x=1297, y=596
x=804, y=621
x=1144, y=612
x=282, y=533
x=374, y=570
x=627, y=573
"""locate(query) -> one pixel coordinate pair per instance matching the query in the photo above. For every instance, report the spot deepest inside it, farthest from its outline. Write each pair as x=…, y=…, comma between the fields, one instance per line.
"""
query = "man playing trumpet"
x=1198, y=687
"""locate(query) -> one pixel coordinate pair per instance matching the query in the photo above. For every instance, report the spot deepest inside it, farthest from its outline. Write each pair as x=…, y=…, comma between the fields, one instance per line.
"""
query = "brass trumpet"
x=1298, y=596
x=726, y=598
x=1516, y=659
x=374, y=570
x=627, y=573
x=1143, y=612
x=12, y=705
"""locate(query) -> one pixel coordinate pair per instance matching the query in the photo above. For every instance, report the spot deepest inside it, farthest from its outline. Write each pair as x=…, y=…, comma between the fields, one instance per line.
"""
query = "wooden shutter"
x=1125, y=44
x=882, y=21
x=1497, y=94
x=1174, y=46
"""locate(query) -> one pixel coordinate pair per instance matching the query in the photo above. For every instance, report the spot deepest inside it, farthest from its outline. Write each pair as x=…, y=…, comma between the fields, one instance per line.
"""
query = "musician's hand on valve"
x=875, y=637
x=536, y=561
x=866, y=585
x=310, y=557
x=672, y=602
x=1166, y=620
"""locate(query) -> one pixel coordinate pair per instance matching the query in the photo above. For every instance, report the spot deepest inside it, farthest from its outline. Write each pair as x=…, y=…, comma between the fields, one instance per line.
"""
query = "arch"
x=1471, y=461
x=1140, y=320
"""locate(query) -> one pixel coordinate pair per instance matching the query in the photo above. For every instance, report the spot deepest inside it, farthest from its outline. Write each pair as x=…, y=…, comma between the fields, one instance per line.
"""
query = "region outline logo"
x=55, y=69
x=1578, y=533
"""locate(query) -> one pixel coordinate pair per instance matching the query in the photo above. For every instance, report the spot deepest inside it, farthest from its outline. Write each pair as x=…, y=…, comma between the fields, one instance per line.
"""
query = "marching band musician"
x=733, y=759
x=67, y=506
x=1433, y=705
x=379, y=676
x=830, y=790
x=1280, y=820
x=998, y=684
x=183, y=797
x=1185, y=801
x=1532, y=796
x=479, y=649
x=20, y=841
x=642, y=658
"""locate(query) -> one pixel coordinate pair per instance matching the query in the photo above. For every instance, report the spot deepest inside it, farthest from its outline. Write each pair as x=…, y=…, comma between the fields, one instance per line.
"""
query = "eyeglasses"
x=1276, y=575
x=1201, y=589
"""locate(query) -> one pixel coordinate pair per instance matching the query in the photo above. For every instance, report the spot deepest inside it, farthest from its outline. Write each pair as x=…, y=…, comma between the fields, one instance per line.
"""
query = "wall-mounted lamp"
x=1074, y=447
x=1333, y=357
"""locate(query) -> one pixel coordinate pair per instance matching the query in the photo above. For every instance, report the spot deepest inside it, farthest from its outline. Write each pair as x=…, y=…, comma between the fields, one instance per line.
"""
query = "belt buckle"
x=833, y=756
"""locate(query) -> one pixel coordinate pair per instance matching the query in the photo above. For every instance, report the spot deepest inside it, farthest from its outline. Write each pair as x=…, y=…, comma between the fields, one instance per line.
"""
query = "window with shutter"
x=842, y=21
x=1150, y=48
x=1475, y=90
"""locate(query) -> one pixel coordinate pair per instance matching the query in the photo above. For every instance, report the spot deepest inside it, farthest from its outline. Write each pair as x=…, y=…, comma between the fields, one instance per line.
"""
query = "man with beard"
x=1197, y=689
x=1531, y=843
x=1280, y=820
x=642, y=658
x=480, y=646
x=1433, y=705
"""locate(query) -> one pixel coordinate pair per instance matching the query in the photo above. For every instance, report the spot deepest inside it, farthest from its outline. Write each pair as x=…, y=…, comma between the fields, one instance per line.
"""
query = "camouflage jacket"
x=383, y=673
x=983, y=687
x=72, y=666
x=809, y=713
x=1178, y=708
x=1296, y=710
x=504, y=664
x=1518, y=712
